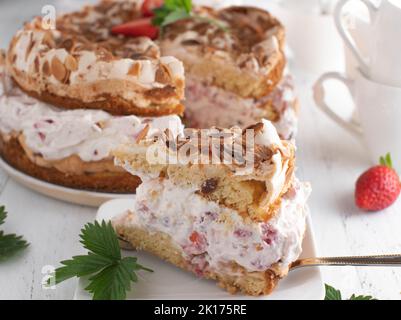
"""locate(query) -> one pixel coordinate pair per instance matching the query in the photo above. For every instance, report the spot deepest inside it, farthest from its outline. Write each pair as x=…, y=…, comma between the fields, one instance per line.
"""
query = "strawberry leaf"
x=386, y=161
x=110, y=275
x=101, y=239
x=3, y=214
x=361, y=298
x=389, y=161
x=175, y=16
x=10, y=244
x=332, y=293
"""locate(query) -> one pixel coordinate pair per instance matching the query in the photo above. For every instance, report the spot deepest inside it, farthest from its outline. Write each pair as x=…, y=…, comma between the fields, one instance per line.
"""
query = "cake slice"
x=246, y=170
x=242, y=229
x=80, y=64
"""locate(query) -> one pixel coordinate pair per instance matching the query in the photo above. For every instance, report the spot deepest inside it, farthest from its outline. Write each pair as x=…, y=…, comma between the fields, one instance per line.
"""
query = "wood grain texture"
x=327, y=157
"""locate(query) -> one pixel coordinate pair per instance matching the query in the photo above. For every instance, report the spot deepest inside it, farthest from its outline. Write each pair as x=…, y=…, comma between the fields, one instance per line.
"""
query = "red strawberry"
x=195, y=237
x=137, y=28
x=378, y=188
x=149, y=5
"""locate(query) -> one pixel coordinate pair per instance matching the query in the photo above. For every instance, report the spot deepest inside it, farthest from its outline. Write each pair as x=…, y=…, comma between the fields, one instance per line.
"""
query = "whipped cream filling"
x=207, y=105
x=56, y=134
x=211, y=236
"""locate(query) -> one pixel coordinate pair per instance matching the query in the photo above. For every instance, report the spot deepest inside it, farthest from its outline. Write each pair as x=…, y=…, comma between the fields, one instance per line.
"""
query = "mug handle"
x=319, y=96
x=363, y=63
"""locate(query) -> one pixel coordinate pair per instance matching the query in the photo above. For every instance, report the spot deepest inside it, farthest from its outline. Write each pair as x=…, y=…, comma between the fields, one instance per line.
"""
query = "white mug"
x=379, y=108
x=384, y=45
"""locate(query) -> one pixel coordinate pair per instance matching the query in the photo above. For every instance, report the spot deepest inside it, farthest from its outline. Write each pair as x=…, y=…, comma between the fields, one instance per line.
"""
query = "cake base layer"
x=161, y=245
x=114, y=105
x=113, y=182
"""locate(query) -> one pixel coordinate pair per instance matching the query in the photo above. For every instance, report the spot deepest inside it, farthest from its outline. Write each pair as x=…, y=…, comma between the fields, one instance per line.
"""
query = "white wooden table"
x=327, y=157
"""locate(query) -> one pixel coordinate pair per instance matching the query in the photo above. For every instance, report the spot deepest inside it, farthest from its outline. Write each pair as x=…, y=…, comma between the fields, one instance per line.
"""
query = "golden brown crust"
x=113, y=182
x=161, y=245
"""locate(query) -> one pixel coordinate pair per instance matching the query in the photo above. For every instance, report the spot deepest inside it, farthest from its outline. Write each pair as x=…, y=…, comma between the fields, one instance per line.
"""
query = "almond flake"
x=142, y=135
x=71, y=63
x=163, y=74
x=46, y=68
x=58, y=70
x=135, y=70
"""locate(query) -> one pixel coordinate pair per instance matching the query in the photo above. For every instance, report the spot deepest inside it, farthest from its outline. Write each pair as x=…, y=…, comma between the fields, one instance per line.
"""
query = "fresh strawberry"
x=379, y=187
x=137, y=28
x=195, y=237
x=149, y=5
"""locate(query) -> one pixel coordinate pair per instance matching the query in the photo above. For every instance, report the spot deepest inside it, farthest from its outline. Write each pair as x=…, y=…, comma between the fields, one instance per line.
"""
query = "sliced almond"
x=163, y=74
x=46, y=68
x=29, y=47
x=37, y=64
x=71, y=63
x=142, y=135
x=135, y=69
x=58, y=70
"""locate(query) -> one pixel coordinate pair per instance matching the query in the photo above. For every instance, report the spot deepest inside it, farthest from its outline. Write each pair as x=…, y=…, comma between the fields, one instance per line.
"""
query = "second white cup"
x=379, y=109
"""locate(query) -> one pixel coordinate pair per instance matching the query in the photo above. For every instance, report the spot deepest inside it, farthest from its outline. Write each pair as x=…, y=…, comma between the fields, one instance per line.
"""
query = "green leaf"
x=386, y=161
x=178, y=4
x=101, y=239
x=172, y=11
x=3, y=214
x=175, y=16
x=334, y=294
x=362, y=298
x=389, y=161
x=113, y=282
x=11, y=244
x=331, y=293
x=80, y=266
x=187, y=4
x=110, y=276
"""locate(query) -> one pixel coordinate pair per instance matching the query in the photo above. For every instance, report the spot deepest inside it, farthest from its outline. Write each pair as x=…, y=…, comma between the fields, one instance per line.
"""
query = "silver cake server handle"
x=362, y=261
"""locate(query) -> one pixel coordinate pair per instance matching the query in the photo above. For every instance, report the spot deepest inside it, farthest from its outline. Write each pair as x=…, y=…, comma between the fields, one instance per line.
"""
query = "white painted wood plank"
x=320, y=145
x=3, y=180
x=52, y=227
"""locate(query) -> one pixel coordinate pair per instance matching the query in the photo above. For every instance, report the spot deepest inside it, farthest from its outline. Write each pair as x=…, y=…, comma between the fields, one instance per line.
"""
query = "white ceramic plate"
x=171, y=283
x=82, y=197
